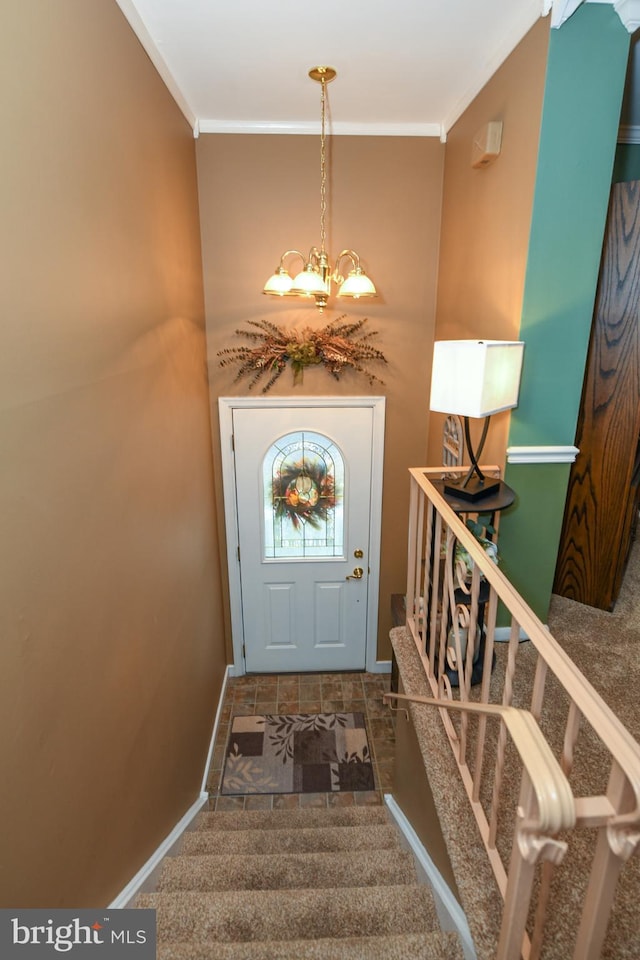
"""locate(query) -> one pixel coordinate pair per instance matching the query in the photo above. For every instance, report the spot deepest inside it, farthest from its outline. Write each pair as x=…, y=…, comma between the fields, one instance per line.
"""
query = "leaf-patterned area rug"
x=298, y=753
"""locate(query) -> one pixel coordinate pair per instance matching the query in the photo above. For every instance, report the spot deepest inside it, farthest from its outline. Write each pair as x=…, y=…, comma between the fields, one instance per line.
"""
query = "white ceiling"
x=404, y=66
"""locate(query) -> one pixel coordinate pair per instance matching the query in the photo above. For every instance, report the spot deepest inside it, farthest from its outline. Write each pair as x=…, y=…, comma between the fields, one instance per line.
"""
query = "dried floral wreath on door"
x=305, y=493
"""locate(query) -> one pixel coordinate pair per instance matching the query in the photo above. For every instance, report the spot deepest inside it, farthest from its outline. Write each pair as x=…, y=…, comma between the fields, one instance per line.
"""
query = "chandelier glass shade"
x=315, y=273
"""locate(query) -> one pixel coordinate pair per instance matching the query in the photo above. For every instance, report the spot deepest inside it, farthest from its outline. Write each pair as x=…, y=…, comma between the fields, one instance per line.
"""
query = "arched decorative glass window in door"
x=303, y=492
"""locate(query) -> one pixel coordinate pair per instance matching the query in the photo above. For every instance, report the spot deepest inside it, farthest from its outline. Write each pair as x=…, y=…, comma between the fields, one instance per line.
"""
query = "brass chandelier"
x=317, y=274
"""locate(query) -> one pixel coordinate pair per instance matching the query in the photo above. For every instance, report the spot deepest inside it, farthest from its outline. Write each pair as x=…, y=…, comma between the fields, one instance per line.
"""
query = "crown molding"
x=339, y=128
x=561, y=10
x=629, y=13
x=148, y=43
x=627, y=10
x=529, y=15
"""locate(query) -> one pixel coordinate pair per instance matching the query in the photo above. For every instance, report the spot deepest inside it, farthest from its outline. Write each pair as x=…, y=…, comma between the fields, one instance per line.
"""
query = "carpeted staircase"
x=296, y=884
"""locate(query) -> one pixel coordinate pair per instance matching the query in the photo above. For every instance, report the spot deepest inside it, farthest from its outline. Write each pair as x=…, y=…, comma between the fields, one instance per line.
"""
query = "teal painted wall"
x=583, y=94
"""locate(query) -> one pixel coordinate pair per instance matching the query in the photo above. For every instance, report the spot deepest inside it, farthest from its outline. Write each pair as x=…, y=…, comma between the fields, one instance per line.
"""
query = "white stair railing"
x=546, y=807
x=453, y=592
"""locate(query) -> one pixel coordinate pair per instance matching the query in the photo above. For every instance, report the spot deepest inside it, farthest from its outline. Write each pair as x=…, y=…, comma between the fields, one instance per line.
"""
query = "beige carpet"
x=307, y=884
x=606, y=646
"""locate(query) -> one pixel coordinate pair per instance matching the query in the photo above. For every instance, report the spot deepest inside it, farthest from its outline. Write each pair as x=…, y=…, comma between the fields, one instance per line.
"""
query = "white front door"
x=303, y=496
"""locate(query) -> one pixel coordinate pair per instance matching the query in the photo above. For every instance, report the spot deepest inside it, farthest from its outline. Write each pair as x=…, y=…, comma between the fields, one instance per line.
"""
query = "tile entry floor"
x=288, y=693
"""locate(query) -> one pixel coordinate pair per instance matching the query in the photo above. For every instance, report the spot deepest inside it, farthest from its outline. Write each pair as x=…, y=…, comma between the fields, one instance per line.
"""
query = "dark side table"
x=498, y=500
x=502, y=498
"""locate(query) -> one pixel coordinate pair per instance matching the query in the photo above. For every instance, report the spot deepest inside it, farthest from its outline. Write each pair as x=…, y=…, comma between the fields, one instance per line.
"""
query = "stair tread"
x=301, y=839
x=291, y=819
x=288, y=870
x=407, y=946
x=304, y=914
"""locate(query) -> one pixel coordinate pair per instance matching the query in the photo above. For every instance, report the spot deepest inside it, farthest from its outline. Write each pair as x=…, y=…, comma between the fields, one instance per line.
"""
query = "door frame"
x=226, y=406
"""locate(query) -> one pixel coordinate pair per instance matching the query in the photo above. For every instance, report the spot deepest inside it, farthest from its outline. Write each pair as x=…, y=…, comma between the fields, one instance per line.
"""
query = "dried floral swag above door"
x=339, y=345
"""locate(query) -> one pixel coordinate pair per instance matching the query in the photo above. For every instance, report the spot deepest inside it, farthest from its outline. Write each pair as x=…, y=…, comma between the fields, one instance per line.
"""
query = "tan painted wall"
x=111, y=653
x=412, y=792
x=486, y=217
x=260, y=195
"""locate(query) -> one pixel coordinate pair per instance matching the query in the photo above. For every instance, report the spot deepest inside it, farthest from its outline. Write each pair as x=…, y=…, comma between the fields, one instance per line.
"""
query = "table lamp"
x=475, y=378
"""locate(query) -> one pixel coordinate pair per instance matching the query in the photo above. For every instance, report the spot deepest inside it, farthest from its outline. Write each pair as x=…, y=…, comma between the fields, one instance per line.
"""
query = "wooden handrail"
x=554, y=798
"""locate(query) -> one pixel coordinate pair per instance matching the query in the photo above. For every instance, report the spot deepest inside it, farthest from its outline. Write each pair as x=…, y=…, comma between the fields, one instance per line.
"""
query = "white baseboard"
x=216, y=723
x=380, y=666
x=135, y=885
x=450, y=913
x=144, y=876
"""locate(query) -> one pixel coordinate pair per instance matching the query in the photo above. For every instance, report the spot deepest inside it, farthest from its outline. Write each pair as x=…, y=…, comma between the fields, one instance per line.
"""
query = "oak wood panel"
x=602, y=493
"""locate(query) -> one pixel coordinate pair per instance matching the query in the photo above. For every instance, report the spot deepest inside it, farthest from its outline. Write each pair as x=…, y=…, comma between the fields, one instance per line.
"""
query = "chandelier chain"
x=323, y=167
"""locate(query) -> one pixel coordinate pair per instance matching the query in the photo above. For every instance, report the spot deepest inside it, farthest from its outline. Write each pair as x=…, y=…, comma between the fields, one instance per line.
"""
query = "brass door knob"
x=358, y=554
x=357, y=574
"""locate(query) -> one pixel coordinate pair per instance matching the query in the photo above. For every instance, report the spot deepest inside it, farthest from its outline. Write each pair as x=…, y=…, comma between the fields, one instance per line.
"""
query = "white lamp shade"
x=475, y=378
